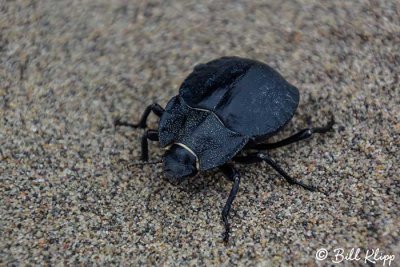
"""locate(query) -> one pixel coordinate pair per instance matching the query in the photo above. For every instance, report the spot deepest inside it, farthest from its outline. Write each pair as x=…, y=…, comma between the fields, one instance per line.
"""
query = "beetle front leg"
x=151, y=135
x=156, y=108
x=232, y=175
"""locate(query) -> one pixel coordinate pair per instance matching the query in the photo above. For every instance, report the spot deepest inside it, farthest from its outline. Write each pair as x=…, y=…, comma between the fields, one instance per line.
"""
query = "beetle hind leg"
x=155, y=108
x=301, y=135
x=258, y=157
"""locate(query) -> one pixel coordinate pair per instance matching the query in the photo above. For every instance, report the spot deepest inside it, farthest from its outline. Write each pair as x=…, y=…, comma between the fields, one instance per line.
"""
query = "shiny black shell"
x=224, y=104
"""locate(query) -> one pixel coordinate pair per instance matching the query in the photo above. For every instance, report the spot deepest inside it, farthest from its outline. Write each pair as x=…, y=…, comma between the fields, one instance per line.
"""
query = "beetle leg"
x=151, y=135
x=258, y=157
x=301, y=135
x=233, y=175
x=156, y=108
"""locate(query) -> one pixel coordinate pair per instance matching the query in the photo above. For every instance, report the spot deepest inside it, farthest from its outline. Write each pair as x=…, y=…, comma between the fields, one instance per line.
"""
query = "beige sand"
x=68, y=68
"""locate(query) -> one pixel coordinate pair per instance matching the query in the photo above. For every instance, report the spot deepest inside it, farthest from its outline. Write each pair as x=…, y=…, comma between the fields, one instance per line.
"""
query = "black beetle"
x=225, y=106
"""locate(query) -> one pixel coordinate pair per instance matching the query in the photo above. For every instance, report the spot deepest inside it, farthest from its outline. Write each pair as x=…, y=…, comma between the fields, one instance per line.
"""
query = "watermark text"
x=338, y=255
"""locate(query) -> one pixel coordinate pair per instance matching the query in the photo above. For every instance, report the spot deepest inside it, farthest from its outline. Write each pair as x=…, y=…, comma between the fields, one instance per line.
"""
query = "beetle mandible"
x=224, y=107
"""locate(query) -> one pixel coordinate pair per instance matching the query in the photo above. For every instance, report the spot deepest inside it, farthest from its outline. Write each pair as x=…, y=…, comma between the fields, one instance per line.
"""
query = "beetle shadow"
x=202, y=182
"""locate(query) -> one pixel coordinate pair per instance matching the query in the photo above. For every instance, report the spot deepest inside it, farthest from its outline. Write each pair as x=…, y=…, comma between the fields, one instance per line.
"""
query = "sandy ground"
x=69, y=194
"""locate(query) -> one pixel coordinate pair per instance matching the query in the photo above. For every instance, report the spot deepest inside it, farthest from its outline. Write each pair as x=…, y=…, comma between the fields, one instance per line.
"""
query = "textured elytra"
x=248, y=96
x=240, y=100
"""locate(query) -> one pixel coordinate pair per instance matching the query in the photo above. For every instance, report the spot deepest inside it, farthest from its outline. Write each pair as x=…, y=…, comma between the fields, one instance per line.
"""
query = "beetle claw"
x=226, y=236
x=116, y=122
x=308, y=187
x=325, y=128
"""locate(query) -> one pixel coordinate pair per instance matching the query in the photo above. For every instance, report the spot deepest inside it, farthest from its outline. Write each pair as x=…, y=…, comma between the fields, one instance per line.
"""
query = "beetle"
x=225, y=107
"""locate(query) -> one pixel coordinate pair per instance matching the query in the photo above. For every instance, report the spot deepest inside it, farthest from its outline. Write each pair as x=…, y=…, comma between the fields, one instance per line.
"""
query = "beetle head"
x=179, y=164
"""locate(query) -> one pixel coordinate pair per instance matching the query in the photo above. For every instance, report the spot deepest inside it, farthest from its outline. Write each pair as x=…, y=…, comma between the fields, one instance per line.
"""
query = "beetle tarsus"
x=227, y=227
x=151, y=135
x=305, y=186
x=325, y=128
x=232, y=175
x=155, y=108
x=118, y=122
